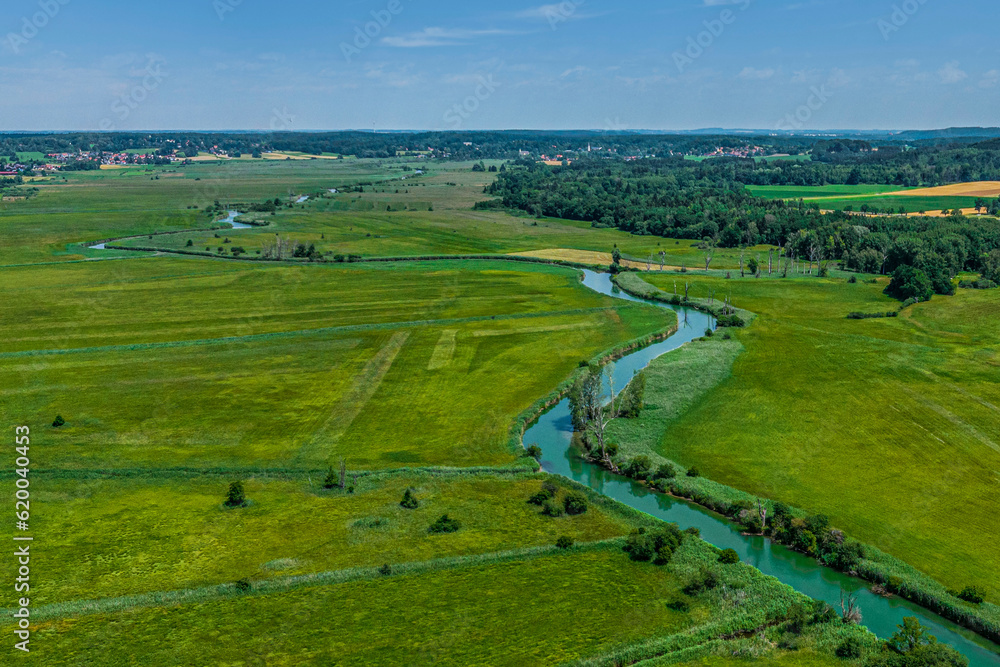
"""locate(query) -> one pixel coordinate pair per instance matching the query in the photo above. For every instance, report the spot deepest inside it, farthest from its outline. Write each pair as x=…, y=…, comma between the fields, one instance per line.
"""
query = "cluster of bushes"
x=444, y=524
x=730, y=321
x=573, y=502
x=303, y=252
x=912, y=646
x=981, y=283
x=346, y=258
x=872, y=316
x=657, y=546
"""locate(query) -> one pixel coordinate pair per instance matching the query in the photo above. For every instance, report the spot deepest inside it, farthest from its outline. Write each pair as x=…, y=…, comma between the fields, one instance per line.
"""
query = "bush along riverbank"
x=723, y=311
x=626, y=450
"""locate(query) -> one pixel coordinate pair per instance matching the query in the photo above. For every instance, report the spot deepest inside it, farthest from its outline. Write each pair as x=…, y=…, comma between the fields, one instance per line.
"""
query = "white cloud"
x=751, y=74
x=579, y=69
x=951, y=73
x=990, y=79
x=440, y=37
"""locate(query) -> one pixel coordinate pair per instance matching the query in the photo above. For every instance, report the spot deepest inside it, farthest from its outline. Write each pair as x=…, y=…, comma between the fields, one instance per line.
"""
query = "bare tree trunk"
x=770, y=261
x=742, y=274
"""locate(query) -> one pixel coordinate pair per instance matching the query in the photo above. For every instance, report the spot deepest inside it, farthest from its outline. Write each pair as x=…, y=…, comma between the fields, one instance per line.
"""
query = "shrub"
x=575, y=503
x=693, y=472
x=695, y=532
x=243, y=586
x=679, y=605
x=849, y=649
x=564, y=542
x=705, y=580
x=331, y=479
x=797, y=618
x=58, y=421
x=552, y=509
x=734, y=321
x=729, y=557
x=535, y=452
x=235, y=497
x=190, y=243
x=638, y=546
x=444, y=525
x=638, y=467
x=385, y=570
x=409, y=500
x=972, y=594
x=665, y=471
x=853, y=280
x=547, y=493
x=539, y=498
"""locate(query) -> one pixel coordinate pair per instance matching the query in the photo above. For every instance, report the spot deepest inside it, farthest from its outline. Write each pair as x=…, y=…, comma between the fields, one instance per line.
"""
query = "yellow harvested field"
x=590, y=257
x=976, y=189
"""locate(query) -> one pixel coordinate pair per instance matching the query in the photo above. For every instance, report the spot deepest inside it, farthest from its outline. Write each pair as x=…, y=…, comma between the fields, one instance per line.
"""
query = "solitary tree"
x=235, y=497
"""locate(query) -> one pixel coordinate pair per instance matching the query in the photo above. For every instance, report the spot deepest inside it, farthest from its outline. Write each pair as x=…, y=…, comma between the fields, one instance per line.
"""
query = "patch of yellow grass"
x=974, y=189
x=592, y=257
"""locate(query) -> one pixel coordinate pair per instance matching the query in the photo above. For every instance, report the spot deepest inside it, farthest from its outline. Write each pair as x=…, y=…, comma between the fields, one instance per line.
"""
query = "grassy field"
x=179, y=534
x=426, y=214
x=446, y=616
x=177, y=375
x=889, y=426
x=815, y=191
x=839, y=197
x=169, y=363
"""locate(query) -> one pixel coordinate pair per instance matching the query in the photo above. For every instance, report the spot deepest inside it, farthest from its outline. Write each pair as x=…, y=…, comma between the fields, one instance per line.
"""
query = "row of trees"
x=672, y=199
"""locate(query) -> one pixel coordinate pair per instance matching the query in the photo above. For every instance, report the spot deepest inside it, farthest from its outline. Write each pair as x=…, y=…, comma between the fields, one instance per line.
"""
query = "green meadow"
x=180, y=535
x=840, y=197
x=888, y=426
x=526, y=607
x=177, y=375
x=809, y=192
x=191, y=363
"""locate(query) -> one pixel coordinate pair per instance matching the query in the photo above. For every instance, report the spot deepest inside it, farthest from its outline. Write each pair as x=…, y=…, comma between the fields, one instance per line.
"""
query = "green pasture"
x=542, y=609
x=809, y=192
x=206, y=364
x=889, y=426
x=839, y=197
x=127, y=536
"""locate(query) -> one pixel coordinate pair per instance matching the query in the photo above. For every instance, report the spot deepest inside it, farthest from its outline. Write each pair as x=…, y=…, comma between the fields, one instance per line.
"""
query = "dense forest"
x=678, y=199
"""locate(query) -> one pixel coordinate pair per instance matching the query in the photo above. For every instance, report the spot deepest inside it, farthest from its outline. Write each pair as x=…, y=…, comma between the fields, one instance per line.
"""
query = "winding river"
x=553, y=432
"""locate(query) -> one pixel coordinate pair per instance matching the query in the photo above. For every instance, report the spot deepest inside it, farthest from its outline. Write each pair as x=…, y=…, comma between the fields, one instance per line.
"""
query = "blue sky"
x=450, y=64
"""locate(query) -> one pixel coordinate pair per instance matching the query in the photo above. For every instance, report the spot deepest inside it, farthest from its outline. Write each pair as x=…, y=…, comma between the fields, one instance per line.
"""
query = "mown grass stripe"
x=347, y=328
x=283, y=584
